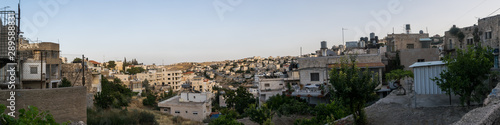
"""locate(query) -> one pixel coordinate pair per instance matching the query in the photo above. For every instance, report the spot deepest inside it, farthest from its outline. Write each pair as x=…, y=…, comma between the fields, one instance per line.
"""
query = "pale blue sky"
x=180, y=31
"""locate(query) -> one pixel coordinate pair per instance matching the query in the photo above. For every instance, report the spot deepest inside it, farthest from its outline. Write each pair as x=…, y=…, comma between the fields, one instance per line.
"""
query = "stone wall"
x=410, y=56
x=489, y=114
x=69, y=103
x=72, y=72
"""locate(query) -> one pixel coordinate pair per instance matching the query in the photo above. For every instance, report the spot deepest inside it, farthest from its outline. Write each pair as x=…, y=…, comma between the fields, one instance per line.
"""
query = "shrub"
x=119, y=117
x=27, y=117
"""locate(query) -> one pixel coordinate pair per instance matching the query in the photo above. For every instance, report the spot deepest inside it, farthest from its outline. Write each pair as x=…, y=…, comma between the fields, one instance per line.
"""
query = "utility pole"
x=19, y=69
x=41, y=69
x=343, y=36
x=83, y=70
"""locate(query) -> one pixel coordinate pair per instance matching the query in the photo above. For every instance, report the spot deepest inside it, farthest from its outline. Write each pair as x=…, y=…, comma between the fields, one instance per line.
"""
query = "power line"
x=464, y=14
x=493, y=12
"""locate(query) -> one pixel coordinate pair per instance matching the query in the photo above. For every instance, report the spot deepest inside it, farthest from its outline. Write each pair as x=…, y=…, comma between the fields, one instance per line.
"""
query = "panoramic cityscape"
x=238, y=62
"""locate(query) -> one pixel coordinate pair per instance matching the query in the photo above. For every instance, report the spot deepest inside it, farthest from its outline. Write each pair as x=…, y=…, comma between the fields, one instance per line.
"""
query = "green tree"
x=284, y=105
x=65, y=83
x=457, y=33
x=119, y=117
x=465, y=74
x=334, y=109
x=398, y=74
x=135, y=70
x=239, y=99
x=150, y=100
x=32, y=116
x=77, y=60
x=134, y=62
x=224, y=120
x=113, y=94
x=259, y=114
x=111, y=64
x=353, y=87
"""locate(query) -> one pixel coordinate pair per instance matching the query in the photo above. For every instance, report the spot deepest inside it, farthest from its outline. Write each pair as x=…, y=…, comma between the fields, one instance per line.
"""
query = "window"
x=195, y=113
x=177, y=112
x=194, y=97
x=314, y=76
x=409, y=46
x=426, y=44
x=420, y=60
x=165, y=109
x=266, y=85
x=186, y=111
x=470, y=41
x=451, y=44
x=281, y=84
x=487, y=35
x=33, y=69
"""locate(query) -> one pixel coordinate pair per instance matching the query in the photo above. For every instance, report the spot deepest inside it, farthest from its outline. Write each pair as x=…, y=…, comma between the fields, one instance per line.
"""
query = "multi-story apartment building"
x=202, y=84
x=269, y=86
x=412, y=47
x=161, y=77
x=42, y=66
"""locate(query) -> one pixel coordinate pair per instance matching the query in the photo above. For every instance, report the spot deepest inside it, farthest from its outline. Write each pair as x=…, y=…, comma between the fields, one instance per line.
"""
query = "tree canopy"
x=111, y=64
x=239, y=99
x=465, y=74
x=135, y=70
x=353, y=87
x=113, y=94
x=77, y=60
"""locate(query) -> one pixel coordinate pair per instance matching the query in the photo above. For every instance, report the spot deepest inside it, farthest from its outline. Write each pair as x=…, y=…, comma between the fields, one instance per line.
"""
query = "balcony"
x=308, y=91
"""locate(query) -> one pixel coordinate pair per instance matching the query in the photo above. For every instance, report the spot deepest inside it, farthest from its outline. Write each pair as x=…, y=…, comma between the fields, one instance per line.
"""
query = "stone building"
x=73, y=73
x=270, y=86
x=487, y=30
x=162, y=78
x=412, y=47
x=313, y=74
x=201, y=84
x=404, y=41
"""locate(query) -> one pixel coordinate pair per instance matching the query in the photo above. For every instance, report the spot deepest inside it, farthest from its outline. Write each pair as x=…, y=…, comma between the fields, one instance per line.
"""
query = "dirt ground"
x=397, y=110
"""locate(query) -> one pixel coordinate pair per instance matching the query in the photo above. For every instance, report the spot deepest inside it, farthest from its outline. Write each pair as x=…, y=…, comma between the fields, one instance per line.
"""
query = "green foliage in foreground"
x=119, y=117
x=287, y=106
x=354, y=87
x=227, y=117
x=465, y=74
x=259, y=114
x=32, y=116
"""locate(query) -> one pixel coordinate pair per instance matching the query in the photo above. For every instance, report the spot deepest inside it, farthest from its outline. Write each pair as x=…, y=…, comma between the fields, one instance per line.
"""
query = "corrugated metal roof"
x=425, y=39
x=431, y=63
